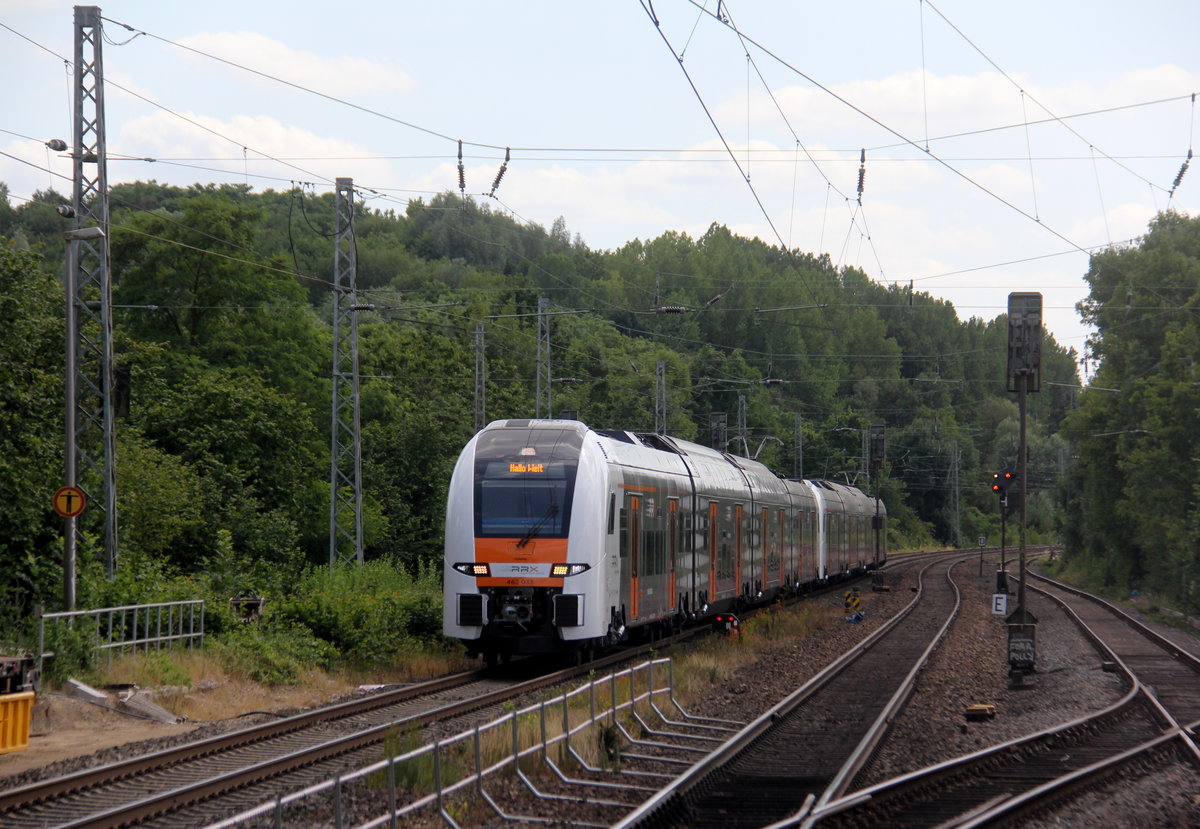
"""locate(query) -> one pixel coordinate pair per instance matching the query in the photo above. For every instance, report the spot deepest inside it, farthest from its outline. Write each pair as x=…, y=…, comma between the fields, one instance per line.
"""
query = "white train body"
x=561, y=538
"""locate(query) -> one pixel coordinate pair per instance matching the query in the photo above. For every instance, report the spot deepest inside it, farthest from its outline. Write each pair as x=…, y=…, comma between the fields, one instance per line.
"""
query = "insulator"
x=862, y=177
x=1179, y=177
x=56, y=144
x=500, y=174
x=462, y=176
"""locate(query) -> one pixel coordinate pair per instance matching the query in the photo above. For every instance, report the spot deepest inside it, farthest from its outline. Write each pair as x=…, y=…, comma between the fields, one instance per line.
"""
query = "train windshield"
x=524, y=479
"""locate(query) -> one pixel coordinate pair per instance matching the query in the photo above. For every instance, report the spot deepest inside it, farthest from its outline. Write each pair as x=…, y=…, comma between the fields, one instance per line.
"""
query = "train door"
x=652, y=569
x=836, y=523
x=796, y=547
x=778, y=546
x=762, y=572
x=738, y=544
x=710, y=593
x=633, y=538
x=673, y=518
x=810, y=565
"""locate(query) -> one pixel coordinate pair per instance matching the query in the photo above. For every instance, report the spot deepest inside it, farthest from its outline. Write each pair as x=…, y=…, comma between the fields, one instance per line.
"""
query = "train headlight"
x=471, y=568
x=562, y=570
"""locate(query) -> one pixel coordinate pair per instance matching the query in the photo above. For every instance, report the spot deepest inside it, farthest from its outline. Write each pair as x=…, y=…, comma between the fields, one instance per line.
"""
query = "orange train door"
x=635, y=552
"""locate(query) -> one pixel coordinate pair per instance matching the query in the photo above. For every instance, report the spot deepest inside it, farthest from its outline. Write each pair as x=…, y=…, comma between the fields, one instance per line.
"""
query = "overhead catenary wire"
x=901, y=136
x=868, y=235
x=1183, y=168
x=756, y=156
x=712, y=120
x=1025, y=92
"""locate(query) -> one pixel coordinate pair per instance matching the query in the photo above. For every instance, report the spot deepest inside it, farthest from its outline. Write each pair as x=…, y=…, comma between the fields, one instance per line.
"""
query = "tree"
x=31, y=437
x=1135, y=431
x=194, y=282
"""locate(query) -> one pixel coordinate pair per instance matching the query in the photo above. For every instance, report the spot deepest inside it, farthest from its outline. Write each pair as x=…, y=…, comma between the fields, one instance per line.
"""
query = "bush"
x=370, y=613
x=272, y=653
x=73, y=647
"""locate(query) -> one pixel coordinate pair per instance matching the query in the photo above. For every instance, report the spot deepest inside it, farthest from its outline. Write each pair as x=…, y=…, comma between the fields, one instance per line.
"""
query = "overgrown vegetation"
x=1132, y=512
x=222, y=301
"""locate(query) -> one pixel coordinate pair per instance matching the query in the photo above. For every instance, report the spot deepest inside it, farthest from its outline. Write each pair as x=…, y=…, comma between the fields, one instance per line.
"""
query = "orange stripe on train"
x=506, y=551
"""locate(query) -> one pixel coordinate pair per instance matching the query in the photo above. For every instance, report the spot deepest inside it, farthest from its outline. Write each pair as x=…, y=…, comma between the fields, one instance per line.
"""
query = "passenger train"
x=561, y=538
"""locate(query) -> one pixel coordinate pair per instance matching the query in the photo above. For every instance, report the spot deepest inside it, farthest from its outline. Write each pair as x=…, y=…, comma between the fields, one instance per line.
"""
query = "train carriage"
x=560, y=538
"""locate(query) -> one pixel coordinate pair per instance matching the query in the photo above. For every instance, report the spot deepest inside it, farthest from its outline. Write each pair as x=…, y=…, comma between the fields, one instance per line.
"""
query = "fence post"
x=39, y=610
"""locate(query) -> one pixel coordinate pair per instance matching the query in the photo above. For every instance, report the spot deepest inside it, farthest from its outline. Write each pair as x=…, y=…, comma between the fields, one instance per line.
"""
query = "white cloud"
x=269, y=149
x=333, y=76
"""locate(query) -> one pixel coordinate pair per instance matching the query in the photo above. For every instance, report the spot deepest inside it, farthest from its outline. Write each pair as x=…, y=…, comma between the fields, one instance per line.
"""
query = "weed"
x=609, y=740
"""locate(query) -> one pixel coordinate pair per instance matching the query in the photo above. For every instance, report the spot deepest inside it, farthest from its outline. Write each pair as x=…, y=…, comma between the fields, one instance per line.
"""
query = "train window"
x=635, y=537
x=673, y=519
x=612, y=502
x=624, y=538
x=524, y=481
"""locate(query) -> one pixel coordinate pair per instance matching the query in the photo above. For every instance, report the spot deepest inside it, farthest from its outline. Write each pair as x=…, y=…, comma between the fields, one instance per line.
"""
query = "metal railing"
x=507, y=744
x=130, y=628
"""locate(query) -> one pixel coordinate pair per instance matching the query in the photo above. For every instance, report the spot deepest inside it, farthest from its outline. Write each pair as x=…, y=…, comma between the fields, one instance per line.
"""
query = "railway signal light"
x=1001, y=481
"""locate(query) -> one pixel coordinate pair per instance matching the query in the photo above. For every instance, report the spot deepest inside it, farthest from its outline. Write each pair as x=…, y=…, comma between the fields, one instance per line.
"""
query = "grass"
x=202, y=686
x=718, y=658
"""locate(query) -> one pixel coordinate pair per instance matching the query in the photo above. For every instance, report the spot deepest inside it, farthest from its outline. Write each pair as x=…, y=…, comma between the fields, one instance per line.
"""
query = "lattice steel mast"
x=480, y=378
x=91, y=433
x=660, y=398
x=544, y=400
x=345, y=478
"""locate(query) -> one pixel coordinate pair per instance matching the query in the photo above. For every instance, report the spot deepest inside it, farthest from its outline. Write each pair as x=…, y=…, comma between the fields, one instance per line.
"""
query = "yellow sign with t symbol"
x=69, y=501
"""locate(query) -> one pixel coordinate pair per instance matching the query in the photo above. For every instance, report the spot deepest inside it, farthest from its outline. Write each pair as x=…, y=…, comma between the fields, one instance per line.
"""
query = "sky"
x=998, y=144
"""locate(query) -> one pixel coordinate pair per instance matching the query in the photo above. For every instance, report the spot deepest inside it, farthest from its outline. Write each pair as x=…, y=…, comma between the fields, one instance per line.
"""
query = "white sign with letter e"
x=999, y=604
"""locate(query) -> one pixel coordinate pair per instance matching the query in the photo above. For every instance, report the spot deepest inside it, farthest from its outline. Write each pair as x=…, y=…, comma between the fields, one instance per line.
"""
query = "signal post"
x=1024, y=376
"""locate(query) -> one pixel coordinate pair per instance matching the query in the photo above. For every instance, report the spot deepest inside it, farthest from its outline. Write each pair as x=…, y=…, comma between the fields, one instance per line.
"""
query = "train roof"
x=686, y=448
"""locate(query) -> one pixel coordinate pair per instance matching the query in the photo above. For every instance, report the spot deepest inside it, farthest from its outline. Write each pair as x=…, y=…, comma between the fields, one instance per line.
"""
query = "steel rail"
x=87, y=778
x=649, y=812
x=985, y=762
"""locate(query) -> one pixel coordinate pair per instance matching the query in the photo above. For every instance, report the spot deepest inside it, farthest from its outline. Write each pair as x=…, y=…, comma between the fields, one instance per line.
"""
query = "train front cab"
x=525, y=541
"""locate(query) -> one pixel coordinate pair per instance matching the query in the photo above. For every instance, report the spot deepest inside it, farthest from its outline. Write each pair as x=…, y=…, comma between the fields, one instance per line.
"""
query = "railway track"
x=197, y=782
x=809, y=746
x=167, y=786
x=1147, y=728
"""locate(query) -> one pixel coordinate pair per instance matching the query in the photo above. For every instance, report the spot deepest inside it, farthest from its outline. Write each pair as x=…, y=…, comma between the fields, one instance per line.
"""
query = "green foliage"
x=73, y=647
x=31, y=437
x=155, y=669
x=370, y=614
x=224, y=326
x=413, y=775
x=273, y=653
x=1131, y=503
